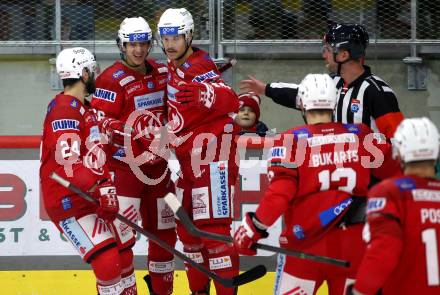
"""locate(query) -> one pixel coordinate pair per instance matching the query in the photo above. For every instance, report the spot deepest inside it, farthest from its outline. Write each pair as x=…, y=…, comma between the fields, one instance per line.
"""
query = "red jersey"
x=183, y=121
x=71, y=148
x=315, y=173
x=403, y=252
x=120, y=91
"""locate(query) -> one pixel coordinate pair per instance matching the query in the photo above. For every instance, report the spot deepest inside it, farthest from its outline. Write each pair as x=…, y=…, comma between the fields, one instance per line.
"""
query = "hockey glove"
x=108, y=207
x=195, y=94
x=249, y=233
x=115, y=130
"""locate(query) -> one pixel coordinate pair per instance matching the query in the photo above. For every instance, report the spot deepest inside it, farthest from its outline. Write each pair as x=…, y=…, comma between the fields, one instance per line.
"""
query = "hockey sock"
x=128, y=277
x=222, y=258
x=107, y=268
x=161, y=263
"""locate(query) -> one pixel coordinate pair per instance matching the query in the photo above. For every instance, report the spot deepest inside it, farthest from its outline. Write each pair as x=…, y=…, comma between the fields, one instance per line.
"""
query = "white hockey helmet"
x=70, y=63
x=317, y=91
x=176, y=21
x=134, y=29
x=416, y=139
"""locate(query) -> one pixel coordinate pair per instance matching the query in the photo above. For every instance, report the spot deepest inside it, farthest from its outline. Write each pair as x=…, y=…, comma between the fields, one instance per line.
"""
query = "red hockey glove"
x=108, y=207
x=248, y=233
x=195, y=94
x=115, y=130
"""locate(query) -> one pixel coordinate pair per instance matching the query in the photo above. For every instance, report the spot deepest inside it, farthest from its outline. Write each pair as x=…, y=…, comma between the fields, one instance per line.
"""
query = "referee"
x=362, y=96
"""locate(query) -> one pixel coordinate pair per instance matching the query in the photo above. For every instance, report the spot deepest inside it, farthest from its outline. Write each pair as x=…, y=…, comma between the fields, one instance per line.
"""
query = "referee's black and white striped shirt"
x=368, y=100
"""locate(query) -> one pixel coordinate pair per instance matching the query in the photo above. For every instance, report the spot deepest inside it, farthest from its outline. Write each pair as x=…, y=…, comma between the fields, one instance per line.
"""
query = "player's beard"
x=90, y=84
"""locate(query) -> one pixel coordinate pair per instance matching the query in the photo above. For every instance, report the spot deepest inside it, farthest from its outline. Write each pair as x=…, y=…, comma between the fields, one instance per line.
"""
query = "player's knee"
x=107, y=265
x=126, y=257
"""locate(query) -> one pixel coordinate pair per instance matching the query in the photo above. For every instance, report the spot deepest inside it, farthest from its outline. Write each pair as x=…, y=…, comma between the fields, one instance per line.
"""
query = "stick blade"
x=251, y=275
x=173, y=202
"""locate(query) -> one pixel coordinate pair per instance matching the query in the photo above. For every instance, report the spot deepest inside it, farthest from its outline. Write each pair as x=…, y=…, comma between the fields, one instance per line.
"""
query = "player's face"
x=246, y=117
x=174, y=45
x=136, y=52
x=327, y=55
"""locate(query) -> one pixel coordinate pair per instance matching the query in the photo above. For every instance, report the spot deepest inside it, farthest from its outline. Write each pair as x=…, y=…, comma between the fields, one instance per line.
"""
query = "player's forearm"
x=283, y=94
x=275, y=200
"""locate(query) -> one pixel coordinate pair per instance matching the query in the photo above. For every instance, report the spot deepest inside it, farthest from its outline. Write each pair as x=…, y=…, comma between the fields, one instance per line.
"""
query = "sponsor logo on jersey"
x=104, y=94
x=355, y=104
x=186, y=65
x=331, y=139
x=426, y=195
x=301, y=133
x=168, y=30
x=180, y=73
x=220, y=262
x=162, y=70
x=200, y=203
x=220, y=189
x=150, y=85
x=134, y=86
x=352, y=128
x=148, y=101
x=330, y=214
x=126, y=80
x=65, y=124
x=298, y=232
x=120, y=153
x=165, y=216
x=136, y=37
x=376, y=204
x=405, y=184
x=74, y=232
x=119, y=73
x=66, y=203
x=197, y=257
x=74, y=103
x=203, y=77
x=277, y=152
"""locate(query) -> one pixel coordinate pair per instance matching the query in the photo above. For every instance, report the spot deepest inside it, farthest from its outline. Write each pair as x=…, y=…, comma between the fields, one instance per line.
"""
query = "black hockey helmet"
x=350, y=37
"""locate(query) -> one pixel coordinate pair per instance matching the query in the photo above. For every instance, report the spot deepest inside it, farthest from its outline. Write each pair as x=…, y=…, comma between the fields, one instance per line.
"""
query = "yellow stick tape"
x=73, y=282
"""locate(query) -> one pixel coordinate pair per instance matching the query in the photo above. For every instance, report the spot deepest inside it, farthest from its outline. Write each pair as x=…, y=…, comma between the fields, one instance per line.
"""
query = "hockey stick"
x=227, y=65
x=244, y=278
x=177, y=208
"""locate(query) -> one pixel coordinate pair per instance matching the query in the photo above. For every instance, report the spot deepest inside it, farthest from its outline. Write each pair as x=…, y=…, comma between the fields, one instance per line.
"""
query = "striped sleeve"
x=383, y=106
x=283, y=94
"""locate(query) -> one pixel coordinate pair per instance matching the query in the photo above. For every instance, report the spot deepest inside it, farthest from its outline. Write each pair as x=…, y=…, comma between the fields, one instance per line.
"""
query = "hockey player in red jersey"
x=131, y=93
x=200, y=111
x=403, y=219
x=71, y=147
x=319, y=174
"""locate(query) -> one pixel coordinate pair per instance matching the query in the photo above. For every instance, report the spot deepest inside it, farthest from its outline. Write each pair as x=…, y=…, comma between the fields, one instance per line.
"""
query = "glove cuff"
x=262, y=228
